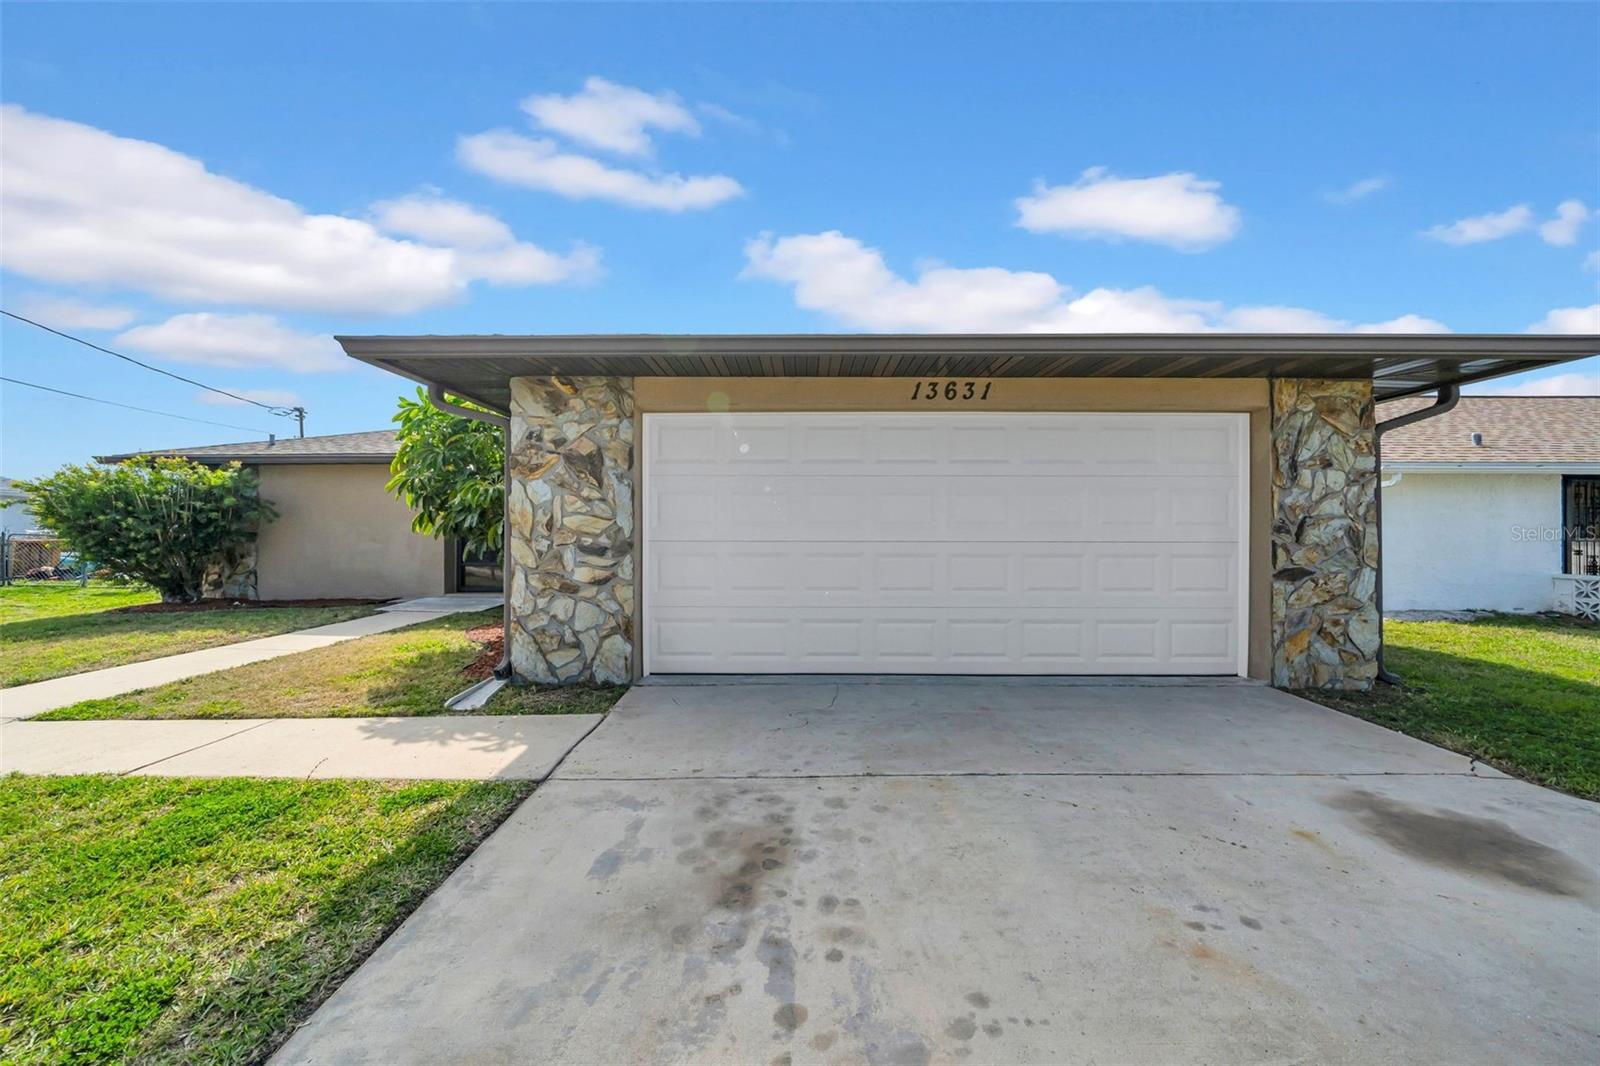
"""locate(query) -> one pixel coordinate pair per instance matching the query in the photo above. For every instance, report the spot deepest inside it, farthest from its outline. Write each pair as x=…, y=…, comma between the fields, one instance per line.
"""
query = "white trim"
x=1493, y=467
x=1243, y=421
x=641, y=511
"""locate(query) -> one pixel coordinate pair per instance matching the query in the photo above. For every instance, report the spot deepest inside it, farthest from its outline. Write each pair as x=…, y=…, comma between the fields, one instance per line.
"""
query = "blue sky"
x=218, y=188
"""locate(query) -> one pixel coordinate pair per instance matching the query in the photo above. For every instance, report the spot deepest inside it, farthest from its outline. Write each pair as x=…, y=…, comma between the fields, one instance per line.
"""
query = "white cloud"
x=276, y=397
x=612, y=117
x=730, y=117
x=1302, y=320
x=484, y=245
x=1178, y=209
x=1568, y=384
x=81, y=205
x=849, y=281
x=1405, y=324
x=432, y=218
x=1480, y=228
x=1359, y=190
x=238, y=341
x=65, y=313
x=539, y=163
x=1569, y=320
x=1562, y=230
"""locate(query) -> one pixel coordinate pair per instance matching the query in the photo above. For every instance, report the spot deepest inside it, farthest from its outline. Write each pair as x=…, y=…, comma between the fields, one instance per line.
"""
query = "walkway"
x=447, y=747
x=26, y=701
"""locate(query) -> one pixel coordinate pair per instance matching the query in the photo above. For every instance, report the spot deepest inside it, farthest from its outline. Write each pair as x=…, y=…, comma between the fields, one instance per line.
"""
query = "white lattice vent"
x=1579, y=594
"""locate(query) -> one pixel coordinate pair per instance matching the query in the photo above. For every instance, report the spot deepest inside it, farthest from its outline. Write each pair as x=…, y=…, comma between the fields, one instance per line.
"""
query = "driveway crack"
x=573, y=747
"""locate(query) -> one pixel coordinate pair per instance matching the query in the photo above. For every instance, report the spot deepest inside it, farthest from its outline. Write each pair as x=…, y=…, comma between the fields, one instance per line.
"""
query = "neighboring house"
x=1494, y=505
x=14, y=514
x=1012, y=504
x=339, y=532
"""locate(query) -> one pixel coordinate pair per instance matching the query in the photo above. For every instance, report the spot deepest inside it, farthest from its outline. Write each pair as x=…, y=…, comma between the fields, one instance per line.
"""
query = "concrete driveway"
x=998, y=871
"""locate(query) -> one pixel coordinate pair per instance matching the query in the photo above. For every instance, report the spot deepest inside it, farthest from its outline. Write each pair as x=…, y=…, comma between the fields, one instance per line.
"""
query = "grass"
x=173, y=920
x=409, y=671
x=60, y=629
x=25, y=602
x=1519, y=693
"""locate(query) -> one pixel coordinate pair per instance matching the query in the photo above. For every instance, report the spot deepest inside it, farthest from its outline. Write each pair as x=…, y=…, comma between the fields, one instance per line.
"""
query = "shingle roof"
x=373, y=446
x=1516, y=429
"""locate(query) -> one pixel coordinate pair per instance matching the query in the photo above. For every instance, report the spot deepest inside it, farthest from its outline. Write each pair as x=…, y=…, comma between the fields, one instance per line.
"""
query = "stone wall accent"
x=570, y=536
x=1324, y=535
x=235, y=577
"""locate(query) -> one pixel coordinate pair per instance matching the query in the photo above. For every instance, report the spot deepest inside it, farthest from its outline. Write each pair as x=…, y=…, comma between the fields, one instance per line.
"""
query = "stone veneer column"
x=1324, y=535
x=570, y=538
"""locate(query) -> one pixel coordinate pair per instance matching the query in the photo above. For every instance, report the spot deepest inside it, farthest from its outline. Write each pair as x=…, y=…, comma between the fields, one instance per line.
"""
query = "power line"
x=129, y=406
x=298, y=412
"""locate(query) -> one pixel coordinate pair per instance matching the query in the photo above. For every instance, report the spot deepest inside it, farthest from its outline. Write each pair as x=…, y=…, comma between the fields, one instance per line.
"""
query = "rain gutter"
x=1448, y=397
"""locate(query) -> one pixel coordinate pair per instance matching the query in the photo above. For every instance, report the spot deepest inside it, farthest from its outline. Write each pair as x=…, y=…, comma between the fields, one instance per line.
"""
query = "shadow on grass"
x=254, y=621
x=1530, y=723
x=250, y=1013
x=419, y=683
x=419, y=686
x=102, y=621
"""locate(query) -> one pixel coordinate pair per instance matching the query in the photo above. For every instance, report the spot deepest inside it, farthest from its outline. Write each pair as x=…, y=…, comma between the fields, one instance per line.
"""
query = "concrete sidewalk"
x=26, y=701
x=447, y=747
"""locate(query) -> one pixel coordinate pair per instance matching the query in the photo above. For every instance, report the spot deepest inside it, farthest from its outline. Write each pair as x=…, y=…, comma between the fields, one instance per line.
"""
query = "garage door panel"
x=955, y=444
x=690, y=445
x=950, y=576
x=990, y=641
x=943, y=543
x=1062, y=507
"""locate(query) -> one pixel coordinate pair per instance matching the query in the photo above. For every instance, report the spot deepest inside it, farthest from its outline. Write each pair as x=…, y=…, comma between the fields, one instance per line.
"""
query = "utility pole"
x=300, y=417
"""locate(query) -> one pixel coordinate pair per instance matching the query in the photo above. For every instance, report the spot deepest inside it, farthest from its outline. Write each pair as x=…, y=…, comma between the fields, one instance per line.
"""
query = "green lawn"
x=409, y=671
x=180, y=920
x=59, y=629
x=52, y=599
x=1522, y=694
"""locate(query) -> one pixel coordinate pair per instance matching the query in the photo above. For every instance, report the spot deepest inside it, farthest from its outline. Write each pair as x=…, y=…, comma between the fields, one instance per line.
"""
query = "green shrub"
x=167, y=522
x=450, y=471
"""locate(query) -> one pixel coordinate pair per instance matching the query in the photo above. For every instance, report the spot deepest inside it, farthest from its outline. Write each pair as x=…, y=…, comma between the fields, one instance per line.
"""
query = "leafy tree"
x=451, y=471
x=167, y=522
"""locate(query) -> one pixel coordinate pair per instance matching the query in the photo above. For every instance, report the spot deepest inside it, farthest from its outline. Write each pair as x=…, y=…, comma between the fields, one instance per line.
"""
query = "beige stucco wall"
x=340, y=533
x=1251, y=396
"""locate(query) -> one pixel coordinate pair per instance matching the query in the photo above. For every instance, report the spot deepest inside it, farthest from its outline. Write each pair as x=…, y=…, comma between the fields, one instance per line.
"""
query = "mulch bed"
x=493, y=640
x=228, y=605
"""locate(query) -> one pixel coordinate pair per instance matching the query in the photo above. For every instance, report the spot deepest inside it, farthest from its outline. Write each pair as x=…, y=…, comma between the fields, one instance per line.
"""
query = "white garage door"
x=944, y=543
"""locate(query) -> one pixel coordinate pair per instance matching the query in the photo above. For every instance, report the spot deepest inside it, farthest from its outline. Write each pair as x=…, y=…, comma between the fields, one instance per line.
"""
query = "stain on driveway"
x=1480, y=847
x=1217, y=912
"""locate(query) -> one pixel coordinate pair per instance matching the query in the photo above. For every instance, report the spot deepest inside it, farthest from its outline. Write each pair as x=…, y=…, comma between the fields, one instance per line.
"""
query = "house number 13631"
x=951, y=390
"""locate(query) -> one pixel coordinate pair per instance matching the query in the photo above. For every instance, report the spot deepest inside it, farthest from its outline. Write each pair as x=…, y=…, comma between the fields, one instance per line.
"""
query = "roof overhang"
x=479, y=368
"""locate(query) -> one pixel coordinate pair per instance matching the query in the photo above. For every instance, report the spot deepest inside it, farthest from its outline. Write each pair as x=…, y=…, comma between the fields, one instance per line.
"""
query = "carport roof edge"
x=480, y=367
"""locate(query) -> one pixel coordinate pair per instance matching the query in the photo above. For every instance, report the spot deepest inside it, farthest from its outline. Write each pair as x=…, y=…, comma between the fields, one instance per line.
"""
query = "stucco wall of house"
x=1324, y=534
x=16, y=518
x=1451, y=541
x=340, y=533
